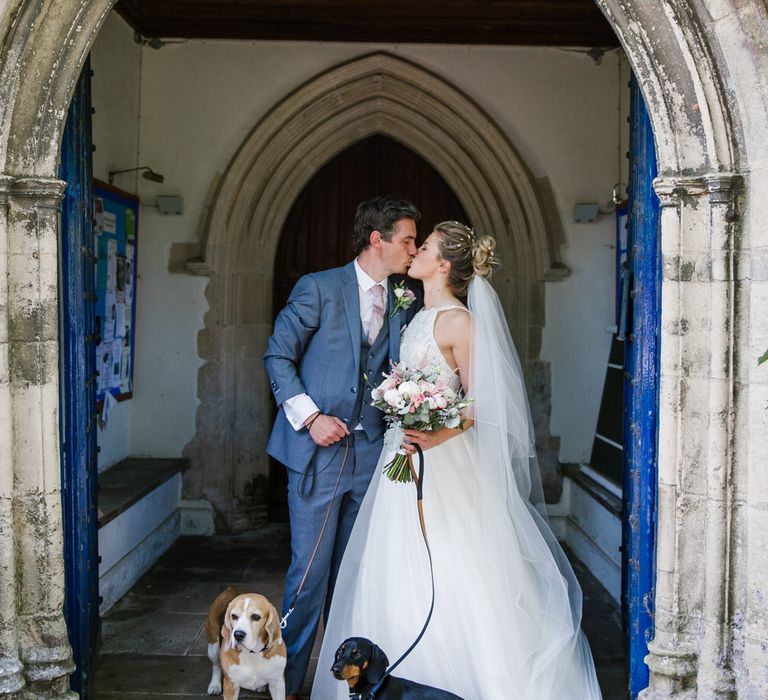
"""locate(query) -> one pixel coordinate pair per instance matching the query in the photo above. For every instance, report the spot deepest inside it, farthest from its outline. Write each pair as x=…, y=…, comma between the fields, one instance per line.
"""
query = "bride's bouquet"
x=418, y=400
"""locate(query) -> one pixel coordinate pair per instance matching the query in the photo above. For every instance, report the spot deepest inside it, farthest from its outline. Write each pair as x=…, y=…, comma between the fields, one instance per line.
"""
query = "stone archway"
x=699, y=148
x=375, y=94
x=703, y=71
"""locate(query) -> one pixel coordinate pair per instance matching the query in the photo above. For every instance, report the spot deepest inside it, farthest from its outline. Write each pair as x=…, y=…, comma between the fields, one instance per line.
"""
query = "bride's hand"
x=426, y=439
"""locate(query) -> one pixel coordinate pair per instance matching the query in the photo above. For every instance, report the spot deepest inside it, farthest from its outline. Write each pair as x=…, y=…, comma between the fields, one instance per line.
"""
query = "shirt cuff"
x=298, y=408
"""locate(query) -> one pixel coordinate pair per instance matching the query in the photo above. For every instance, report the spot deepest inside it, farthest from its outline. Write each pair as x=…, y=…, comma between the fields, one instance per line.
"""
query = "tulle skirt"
x=504, y=625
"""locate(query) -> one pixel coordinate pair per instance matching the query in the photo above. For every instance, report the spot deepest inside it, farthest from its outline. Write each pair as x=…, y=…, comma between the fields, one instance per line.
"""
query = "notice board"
x=116, y=233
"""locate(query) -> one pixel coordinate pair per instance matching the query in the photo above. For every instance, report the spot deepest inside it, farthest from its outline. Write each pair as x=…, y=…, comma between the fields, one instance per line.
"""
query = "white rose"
x=453, y=422
x=399, y=291
x=408, y=389
x=392, y=397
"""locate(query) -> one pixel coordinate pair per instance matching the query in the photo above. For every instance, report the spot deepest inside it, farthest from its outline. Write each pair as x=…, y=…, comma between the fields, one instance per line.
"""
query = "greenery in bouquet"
x=416, y=399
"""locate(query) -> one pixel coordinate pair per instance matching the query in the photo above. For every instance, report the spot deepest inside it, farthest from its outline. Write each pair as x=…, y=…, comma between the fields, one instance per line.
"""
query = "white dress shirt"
x=300, y=407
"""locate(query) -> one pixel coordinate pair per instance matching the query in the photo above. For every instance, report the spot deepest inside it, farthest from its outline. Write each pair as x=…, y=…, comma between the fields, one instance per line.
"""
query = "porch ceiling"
x=511, y=22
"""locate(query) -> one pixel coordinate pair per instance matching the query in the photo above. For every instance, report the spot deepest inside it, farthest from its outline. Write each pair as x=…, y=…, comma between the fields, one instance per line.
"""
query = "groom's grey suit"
x=319, y=348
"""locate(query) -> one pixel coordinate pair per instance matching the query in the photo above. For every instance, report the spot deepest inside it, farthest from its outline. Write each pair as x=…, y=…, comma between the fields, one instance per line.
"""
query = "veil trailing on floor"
x=509, y=497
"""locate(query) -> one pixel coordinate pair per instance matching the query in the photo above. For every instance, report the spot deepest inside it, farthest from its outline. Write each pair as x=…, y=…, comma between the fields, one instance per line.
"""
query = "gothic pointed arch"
x=376, y=94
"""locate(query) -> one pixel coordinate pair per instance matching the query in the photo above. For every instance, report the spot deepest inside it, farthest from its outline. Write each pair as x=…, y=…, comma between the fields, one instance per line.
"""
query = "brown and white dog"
x=244, y=642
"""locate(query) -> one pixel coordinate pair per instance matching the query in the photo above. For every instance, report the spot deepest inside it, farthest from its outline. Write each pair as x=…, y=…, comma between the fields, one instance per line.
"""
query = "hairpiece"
x=467, y=240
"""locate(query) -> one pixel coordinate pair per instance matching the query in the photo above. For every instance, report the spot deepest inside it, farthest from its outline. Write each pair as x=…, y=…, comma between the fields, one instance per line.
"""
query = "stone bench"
x=139, y=519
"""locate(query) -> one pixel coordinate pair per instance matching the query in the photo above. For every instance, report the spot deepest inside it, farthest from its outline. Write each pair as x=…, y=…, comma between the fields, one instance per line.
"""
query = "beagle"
x=245, y=644
x=362, y=665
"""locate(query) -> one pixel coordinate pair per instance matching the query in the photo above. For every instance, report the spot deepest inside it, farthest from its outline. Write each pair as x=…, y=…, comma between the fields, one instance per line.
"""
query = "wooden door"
x=641, y=395
x=77, y=398
x=318, y=231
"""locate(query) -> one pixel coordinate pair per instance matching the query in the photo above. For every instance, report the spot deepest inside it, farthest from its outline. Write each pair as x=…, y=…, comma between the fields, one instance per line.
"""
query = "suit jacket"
x=315, y=349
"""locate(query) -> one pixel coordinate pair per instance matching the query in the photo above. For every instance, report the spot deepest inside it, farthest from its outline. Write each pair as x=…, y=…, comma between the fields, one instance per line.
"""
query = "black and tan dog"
x=362, y=664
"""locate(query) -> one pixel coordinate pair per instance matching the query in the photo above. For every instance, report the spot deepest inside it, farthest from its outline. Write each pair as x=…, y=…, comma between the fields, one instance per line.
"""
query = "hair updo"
x=468, y=253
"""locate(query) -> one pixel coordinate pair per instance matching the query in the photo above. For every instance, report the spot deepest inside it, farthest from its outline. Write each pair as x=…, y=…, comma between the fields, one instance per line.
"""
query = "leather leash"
x=292, y=606
x=419, y=504
x=419, y=480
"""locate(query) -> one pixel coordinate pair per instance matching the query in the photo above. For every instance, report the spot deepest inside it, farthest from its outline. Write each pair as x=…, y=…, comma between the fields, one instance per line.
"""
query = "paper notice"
x=103, y=357
x=110, y=307
x=125, y=371
x=119, y=320
x=130, y=225
x=116, y=363
x=111, y=263
x=110, y=222
x=106, y=408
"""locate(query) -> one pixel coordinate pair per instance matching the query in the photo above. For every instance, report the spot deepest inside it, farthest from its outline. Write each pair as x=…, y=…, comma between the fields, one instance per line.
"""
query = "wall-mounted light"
x=619, y=194
x=148, y=174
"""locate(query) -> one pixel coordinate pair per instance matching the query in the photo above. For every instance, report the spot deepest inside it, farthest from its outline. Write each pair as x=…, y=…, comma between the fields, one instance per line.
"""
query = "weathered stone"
x=213, y=379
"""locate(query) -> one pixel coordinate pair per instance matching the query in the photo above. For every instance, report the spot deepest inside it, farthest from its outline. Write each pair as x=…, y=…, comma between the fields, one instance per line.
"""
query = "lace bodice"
x=419, y=349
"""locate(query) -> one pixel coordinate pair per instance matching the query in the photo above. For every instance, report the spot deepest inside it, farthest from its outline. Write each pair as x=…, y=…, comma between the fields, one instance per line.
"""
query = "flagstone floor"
x=153, y=644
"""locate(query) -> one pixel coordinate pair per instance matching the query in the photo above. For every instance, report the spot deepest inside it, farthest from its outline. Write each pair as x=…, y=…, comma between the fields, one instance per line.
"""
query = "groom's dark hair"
x=380, y=214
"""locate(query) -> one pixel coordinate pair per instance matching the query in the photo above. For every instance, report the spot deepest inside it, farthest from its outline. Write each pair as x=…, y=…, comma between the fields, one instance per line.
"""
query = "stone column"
x=690, y=650
x=672, y=657
x=11, y=677
x=33, y=378
x=718, y=268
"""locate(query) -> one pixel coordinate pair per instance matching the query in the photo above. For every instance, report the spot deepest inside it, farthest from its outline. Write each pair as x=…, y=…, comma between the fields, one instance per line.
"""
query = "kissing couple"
x=507, y=615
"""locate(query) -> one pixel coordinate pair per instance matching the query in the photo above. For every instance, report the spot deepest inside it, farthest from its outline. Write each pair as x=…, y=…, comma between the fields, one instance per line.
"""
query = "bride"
x=507, y=616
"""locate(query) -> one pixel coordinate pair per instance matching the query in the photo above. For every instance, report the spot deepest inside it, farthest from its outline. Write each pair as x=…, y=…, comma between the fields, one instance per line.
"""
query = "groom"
x=337, y=329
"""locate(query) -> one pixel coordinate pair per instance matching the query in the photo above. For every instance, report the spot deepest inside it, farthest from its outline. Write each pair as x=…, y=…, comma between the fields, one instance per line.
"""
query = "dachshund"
x=362, y=665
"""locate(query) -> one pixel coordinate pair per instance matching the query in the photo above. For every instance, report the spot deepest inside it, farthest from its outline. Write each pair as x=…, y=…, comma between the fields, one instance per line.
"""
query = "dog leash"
x=292, y=606
x=419, y=504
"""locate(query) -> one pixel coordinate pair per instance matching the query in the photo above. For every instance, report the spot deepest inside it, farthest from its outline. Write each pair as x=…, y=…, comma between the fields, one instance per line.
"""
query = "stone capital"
x=671, y=660
x=42, y=191
x=673, y=190
x=6, y=182
x=723, y=188
x=200, y=267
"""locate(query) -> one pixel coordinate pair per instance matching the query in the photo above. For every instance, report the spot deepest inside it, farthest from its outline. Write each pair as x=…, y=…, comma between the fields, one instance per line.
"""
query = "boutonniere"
x=404, y=297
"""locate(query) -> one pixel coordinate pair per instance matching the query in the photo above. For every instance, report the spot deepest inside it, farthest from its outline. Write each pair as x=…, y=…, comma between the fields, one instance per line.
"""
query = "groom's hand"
x=327, y=430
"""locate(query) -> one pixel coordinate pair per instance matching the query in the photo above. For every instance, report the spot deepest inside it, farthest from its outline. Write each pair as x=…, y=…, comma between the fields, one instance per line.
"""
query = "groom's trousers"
x=307, y=514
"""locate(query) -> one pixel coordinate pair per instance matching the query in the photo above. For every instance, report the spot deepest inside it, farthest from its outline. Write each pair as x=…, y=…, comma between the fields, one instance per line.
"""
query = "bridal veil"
x=509, y=498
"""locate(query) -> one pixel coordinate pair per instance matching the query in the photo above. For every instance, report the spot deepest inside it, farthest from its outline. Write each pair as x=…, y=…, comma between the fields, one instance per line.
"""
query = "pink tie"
x=377, y=312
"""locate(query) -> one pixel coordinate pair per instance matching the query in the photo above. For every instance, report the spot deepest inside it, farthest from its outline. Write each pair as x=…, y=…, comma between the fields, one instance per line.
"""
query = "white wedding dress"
x=507, y=607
